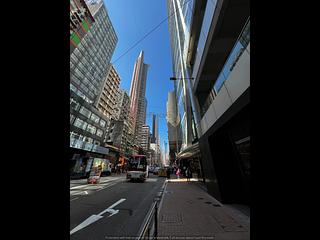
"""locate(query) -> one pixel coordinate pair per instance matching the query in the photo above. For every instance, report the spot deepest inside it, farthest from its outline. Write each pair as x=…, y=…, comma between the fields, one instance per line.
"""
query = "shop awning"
x=189, y=152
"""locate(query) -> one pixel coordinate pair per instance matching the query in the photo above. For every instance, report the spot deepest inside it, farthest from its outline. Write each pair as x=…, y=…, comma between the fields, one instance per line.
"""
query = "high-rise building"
x=145, y=138
x=107, y=99
x=122, y=106
x=155, y=153
x=137, y=97
x=155, y=130
x=80, y=22
x=118, y=131
x=93, y=41
x=174, y=129
x=90, y=60
x=210, y=44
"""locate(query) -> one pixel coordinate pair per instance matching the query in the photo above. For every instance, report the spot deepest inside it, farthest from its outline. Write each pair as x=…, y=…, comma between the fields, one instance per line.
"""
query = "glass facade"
x=180, y=17
x=235, y=54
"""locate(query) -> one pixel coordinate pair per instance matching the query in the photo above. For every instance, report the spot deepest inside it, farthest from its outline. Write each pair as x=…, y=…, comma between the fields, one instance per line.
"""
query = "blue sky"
x=132, y=19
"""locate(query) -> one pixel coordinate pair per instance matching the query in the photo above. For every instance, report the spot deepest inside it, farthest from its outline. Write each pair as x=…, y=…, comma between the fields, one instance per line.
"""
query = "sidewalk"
x=189, y=212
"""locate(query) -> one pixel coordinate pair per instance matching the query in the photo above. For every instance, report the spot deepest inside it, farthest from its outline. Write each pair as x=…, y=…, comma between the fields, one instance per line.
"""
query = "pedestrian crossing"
x=82, y=188
x=86, y=189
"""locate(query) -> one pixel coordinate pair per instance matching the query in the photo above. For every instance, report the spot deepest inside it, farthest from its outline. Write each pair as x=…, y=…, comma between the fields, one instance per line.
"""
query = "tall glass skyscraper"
x=210, y=45
x=137, y=96
x=180, y=13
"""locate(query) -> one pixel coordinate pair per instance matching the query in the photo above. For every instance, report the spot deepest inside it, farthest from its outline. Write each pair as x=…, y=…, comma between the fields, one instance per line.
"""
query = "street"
x=113, y=208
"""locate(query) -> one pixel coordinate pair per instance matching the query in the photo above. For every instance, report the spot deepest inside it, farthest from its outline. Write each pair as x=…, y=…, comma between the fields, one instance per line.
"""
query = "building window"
x=74, y=105
x=94, y=118
x=80, y=123
x=72, y=117
x=99, y=133
x=91, y=129
x=88, y=139
x=85, y=112
x=102, y=123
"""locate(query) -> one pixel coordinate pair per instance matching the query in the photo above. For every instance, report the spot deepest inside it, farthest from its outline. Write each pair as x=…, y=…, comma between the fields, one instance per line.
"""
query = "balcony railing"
x=236, y=52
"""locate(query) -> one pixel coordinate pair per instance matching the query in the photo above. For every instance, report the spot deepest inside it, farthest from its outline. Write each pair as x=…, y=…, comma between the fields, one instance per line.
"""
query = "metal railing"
x=150, y=228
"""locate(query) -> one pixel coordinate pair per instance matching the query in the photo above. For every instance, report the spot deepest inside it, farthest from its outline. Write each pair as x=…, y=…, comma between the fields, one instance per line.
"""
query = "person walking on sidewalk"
x=168, y=172
x=178, y=173
x=188, y=174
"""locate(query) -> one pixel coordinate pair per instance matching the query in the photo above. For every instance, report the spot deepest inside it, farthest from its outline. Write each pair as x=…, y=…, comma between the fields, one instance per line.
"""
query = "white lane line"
x=81, y=186
x=96, y=217
x=77, y=193
x=101, y=183
x=107, y=186
x=113, y=205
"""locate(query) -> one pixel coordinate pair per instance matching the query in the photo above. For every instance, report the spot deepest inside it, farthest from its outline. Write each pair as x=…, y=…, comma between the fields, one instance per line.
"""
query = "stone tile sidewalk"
x=189, y=212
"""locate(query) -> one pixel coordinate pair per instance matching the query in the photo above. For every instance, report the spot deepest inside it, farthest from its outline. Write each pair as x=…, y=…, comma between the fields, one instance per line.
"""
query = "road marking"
x=93, y=218
x=74, y=199
x=152, y=179
x=107, y=186
x=101, y=183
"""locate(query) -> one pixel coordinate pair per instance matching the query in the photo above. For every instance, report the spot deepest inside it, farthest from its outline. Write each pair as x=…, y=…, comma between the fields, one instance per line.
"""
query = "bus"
x=137, y=167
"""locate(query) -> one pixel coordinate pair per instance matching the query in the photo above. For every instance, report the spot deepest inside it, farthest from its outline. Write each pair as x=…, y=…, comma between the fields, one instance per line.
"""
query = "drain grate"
x=171, y=218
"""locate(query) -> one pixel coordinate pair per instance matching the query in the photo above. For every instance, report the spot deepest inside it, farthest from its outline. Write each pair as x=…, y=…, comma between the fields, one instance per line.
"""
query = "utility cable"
x=147, y=34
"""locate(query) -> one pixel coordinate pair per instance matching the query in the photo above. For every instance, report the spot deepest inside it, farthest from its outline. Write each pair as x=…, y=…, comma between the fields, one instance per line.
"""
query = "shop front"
x=191, y=158
x=82, y=160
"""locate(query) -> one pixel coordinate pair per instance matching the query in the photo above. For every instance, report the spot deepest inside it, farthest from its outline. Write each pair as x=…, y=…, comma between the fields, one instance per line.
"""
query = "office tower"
x=210, y=45
x=155, y=130
x=145, y=138
x=137, y=97
x=92, y=43
x=81, y=21
x=174, y=129
x=90, y=60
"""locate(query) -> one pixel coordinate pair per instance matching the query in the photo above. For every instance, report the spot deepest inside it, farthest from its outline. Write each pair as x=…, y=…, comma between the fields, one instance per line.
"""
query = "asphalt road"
x=87, y=200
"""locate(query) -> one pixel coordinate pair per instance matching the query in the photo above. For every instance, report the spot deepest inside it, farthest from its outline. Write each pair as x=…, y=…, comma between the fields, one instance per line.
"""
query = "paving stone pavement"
x=189, y=212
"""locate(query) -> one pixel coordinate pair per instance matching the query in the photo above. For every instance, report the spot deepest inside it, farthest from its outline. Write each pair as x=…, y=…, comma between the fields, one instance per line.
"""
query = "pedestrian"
x=168, y=172
x=178, y=173
x=188, y=174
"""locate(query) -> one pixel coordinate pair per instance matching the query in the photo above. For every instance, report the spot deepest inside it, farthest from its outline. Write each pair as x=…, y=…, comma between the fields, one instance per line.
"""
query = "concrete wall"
x=237, y=82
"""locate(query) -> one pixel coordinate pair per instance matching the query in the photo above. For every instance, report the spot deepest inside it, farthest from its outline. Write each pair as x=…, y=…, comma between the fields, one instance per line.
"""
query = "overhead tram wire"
x=147, y=34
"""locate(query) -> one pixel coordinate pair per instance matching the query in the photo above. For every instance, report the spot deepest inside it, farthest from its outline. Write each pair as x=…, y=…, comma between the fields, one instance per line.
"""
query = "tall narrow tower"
x=137, y=97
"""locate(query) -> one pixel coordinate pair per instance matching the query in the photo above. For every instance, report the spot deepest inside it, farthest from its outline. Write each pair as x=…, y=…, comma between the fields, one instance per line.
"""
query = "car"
x=156, y=170
x=151, y=169
x=162, y=172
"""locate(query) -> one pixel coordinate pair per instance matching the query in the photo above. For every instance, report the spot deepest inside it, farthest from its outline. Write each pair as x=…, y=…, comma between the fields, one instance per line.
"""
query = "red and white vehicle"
x=137, y=168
